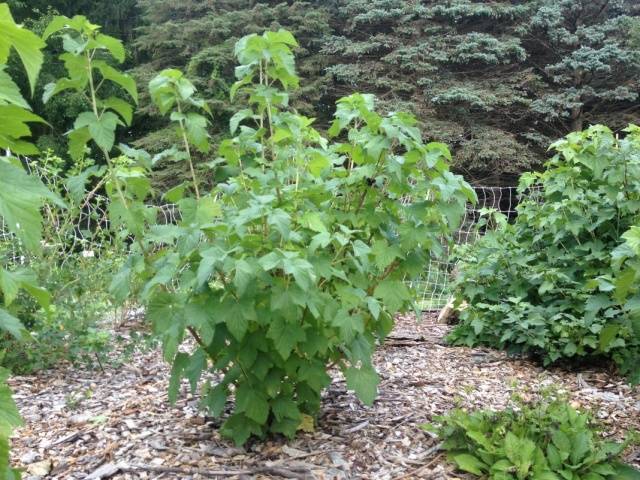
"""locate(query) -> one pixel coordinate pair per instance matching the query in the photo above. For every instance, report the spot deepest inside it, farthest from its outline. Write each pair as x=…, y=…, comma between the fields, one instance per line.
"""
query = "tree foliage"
x=21, y=198
x=497, y=81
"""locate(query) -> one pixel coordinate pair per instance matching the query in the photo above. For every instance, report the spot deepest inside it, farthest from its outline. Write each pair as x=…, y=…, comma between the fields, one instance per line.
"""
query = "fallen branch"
x=296, y=472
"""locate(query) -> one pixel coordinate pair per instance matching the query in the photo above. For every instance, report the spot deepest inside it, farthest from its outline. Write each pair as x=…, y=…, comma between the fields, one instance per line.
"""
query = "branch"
x=294, y=472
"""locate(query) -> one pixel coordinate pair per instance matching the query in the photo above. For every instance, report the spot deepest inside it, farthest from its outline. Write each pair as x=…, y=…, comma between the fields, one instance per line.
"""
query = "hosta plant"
x=296, y=260
x=555, y=283
x=549, y=440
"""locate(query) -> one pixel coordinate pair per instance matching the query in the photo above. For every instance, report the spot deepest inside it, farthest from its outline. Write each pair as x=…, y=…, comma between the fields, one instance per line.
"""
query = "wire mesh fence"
x=85, y=232
x=434, y=288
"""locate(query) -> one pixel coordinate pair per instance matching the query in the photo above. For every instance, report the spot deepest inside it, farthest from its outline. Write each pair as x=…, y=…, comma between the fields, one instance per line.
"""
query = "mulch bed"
x=117, y=424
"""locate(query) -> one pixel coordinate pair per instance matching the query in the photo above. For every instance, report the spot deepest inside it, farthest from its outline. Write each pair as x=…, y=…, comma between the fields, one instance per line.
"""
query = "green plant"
x=552, y=283
x=21, y=198
x=69, y=330
x=545, y=441
x=75, y=264
x=297, y=260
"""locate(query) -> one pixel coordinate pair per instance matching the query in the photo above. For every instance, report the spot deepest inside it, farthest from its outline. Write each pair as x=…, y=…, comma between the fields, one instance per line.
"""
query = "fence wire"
x=434, y=287
x=87, y=234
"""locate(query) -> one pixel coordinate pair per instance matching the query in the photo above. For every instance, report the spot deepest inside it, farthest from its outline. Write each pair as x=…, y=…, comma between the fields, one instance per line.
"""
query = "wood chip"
x=131, y=426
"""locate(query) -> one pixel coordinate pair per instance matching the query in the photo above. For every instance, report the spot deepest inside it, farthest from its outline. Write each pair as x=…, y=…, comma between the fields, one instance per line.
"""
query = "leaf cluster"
x=21, y=197
x=545, y=441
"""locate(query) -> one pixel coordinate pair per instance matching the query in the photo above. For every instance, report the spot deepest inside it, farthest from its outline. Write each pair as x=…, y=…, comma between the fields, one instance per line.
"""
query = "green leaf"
x=253, y=403
x=239, y=428
x=284, y=407
x=364, y=381
x=216, y=398
x=580, y=446
x=238, y=117
x=626, y=472
x=245, y=273
x=124, y=80
x=469, y=463
x=11, y=324
x=349, y=324
x=21, y=196
x=9, y=415
x=180, y=362
x=58, y=23
x=52, y=89
x=196, y=127
x=112, y=44
x=285, y=336
x=315, y=375
x=121, y=107
x=302, y=271
x=393, y=293
x=27, y=44
x=236, y=315
x=607, y=335
x=281, y=36
x=632, y=237
x=102, y=129
x=14, y=122
x=166, y=313
x=384, y=253
x=78, y=140
x=9, y=91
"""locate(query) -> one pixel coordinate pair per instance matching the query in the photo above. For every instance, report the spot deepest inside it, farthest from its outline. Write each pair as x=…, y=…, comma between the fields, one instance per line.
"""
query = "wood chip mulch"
x=117, y=424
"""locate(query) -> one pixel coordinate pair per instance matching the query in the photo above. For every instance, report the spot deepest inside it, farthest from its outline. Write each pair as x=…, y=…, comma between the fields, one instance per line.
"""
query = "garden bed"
x=118, y=423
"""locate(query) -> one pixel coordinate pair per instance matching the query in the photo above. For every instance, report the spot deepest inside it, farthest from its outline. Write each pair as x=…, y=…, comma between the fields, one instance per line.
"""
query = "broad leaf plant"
x=296, y=261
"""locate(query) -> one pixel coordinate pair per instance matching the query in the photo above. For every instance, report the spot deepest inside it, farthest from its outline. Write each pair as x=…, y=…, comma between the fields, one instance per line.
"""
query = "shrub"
x=548, y=284
x=75, y=265
x=296, y=260
x=547, y=441
x=76, y=319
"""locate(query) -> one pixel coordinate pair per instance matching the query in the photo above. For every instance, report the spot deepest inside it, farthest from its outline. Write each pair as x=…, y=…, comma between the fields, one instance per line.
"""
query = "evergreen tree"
x=459, y=66
x=587, y=62
x=497, y=80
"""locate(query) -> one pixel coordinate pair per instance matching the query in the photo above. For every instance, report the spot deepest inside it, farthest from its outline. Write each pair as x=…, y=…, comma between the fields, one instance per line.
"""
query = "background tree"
x=117, y=17
x=496, y=80
x=587, y=61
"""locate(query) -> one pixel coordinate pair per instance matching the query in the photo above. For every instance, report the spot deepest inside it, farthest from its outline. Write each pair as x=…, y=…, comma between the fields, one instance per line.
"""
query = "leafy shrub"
x=548, y=284
x=75, y=265
x=70, y=329
x=296, y=261
x=547, y=441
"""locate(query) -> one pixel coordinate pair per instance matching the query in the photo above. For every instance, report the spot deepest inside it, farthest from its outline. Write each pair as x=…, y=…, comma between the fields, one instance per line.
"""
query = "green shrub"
x=70, y=329
x=550, y=284
x=21, y=199
x=296, y=260
x=75, y=265
x=547, y=441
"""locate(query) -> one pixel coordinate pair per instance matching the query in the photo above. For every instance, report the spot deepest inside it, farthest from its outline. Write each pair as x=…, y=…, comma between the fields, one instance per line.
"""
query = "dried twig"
x=296, y=472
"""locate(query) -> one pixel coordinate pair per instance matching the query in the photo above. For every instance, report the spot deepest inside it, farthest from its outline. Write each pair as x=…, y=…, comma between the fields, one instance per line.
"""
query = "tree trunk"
x=577, y=120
